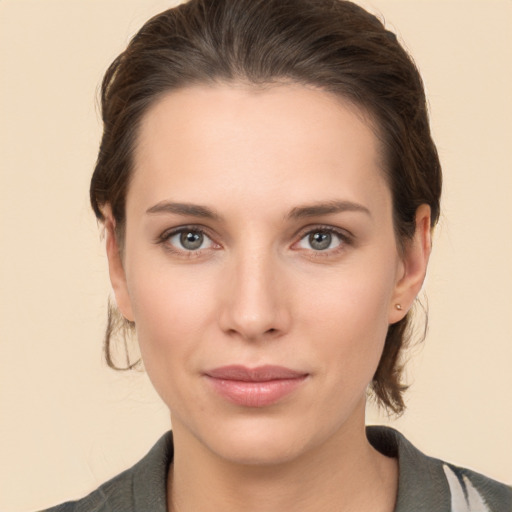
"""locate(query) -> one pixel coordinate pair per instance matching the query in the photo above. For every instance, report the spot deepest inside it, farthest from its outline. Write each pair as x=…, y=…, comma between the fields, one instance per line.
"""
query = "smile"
x=254, y=387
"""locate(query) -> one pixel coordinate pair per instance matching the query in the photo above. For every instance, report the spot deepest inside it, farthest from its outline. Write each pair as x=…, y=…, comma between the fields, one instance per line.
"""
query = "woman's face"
x=260, y=266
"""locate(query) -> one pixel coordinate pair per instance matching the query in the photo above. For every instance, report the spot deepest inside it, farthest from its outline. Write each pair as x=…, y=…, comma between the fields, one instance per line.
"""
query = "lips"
x=254, y=387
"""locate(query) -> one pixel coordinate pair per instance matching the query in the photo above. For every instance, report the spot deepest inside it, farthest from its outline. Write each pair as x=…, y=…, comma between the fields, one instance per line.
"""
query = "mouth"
x=254, y=387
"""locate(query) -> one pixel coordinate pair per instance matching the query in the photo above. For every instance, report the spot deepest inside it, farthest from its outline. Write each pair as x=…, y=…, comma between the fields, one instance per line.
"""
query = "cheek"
x=351, y=311
x=171, y=324
x=172, y=307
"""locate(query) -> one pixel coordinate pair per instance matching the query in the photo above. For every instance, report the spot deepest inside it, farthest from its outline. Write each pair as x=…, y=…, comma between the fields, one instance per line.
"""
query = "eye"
x=322, y=240
x=188, y=239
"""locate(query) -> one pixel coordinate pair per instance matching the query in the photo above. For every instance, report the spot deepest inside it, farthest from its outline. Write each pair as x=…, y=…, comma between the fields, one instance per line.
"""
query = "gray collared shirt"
x=425, y=484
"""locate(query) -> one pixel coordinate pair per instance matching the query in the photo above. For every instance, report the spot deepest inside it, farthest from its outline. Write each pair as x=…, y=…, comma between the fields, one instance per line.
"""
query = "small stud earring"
x=398, y=306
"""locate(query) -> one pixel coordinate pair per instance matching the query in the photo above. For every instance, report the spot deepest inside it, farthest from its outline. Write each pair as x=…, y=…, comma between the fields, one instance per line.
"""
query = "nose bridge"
x=255, y=306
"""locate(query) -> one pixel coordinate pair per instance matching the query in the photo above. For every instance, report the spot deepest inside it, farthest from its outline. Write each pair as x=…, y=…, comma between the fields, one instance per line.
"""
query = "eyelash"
x=345, y=239
x=164, y=238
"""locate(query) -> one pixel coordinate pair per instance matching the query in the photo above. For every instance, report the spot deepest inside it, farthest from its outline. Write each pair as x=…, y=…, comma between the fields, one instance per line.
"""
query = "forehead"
x=234, y=140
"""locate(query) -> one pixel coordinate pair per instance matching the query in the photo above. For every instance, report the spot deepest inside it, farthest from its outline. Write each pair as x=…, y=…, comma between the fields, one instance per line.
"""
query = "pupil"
x=191, y=240
x=320, y=241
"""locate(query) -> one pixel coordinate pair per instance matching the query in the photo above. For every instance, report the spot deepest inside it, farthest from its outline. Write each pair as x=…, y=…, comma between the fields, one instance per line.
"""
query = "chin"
x=260, y=449
x=259, y=441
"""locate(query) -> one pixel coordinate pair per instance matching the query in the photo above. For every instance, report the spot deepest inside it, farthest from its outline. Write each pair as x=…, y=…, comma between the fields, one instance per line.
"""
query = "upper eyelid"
x=342, y=232
x=164, y=240
x=167, y=233
x=346, y=239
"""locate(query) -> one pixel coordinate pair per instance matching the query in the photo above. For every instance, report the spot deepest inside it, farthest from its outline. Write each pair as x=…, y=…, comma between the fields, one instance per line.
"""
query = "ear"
x=115, y=266
x=413, y=267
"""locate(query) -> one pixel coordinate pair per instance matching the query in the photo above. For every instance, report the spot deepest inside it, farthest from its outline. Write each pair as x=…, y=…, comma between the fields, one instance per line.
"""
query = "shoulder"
x=141, y=487
x=116, y=494
x=477, y=492
x=427, y=484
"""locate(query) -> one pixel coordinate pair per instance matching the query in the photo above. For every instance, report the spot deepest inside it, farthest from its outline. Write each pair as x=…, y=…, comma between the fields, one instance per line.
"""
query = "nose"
x=255, y=299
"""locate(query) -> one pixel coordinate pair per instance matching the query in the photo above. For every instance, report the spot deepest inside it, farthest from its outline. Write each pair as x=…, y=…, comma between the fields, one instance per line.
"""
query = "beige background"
x=67, y=423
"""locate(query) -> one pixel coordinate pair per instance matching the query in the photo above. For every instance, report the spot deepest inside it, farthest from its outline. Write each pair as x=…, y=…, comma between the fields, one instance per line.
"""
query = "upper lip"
x=259, y=374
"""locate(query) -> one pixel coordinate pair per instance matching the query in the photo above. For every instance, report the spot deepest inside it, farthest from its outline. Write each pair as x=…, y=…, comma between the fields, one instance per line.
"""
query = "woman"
x=268, y=186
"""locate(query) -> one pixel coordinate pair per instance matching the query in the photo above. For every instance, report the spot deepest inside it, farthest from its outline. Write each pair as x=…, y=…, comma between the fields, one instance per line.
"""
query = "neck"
x=345, y=473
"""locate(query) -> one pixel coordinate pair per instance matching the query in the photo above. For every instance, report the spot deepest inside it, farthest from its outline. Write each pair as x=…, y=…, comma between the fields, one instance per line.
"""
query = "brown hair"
x=331, y=44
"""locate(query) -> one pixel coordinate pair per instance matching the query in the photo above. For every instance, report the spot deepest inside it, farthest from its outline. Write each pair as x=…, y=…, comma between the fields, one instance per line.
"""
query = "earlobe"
x=413, y=267
x=116, y=268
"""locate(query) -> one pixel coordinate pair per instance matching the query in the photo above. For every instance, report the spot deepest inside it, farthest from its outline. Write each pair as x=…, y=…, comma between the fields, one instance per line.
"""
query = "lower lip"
x=255, y=394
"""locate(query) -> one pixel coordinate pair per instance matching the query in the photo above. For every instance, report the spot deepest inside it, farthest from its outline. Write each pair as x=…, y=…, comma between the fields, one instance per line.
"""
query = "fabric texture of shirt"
x=425, y=484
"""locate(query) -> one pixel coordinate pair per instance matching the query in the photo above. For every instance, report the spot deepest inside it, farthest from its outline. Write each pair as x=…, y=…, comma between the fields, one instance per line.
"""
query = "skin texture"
x=258, y=292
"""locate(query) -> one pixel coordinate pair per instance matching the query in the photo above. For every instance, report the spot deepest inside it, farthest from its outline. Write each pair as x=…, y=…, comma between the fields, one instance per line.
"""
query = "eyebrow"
x=299, y=212
x=326, y=208
x=193, y=210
